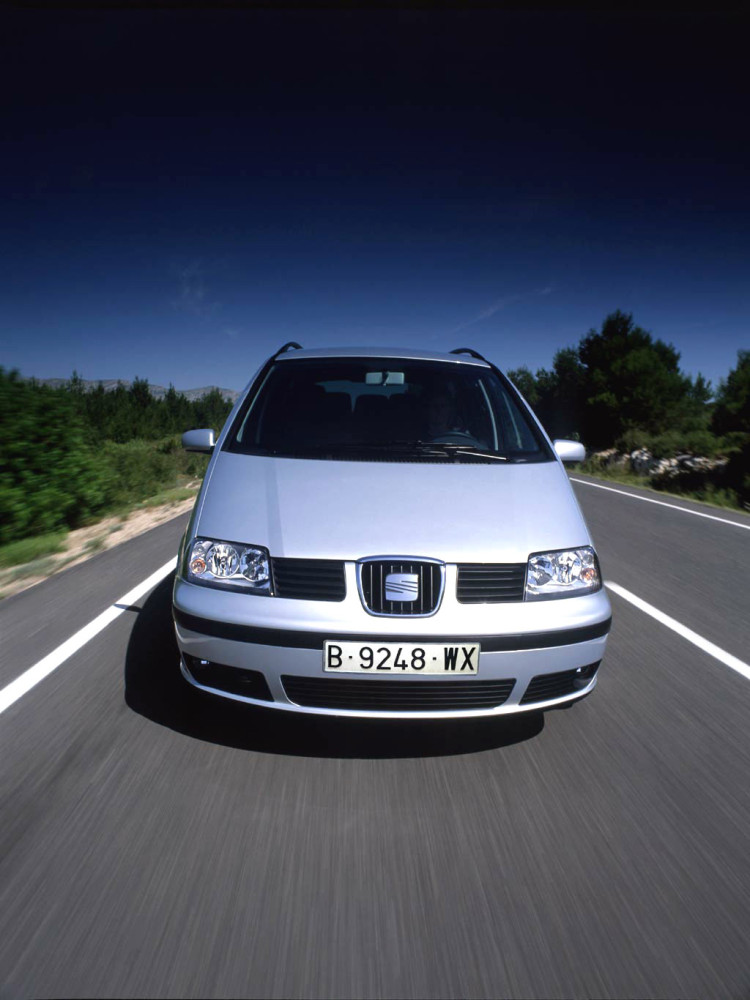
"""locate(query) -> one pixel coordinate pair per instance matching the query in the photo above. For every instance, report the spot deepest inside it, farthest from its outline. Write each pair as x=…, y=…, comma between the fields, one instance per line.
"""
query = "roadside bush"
x=732, y=410
x=672, y=442
x=697, y=488
x=135, y=470
x=138, y=469
x=192, y=464
x=737, y=474
x=49, y=476
x=58, y=466
x=188, y=463
x=27, y=549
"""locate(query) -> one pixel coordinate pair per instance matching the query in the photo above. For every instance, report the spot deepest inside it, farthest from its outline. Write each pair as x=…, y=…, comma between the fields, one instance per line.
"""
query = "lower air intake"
x=545, y=687
x=233, y=680
x=396, y=696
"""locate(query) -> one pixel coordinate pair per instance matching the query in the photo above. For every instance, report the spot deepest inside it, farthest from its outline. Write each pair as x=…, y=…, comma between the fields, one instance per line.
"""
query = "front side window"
x=379, y=408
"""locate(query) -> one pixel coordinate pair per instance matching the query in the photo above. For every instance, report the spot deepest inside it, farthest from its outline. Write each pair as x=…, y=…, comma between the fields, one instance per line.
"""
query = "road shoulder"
x=84, y=543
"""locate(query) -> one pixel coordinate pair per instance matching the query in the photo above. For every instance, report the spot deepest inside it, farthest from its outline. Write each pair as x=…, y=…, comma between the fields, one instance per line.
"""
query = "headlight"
x=566, y=573
x=228, y=563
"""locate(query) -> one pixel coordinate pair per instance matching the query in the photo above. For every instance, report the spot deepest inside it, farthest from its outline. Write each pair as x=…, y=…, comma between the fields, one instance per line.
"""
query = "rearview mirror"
x=201, y=440
x=569, y=451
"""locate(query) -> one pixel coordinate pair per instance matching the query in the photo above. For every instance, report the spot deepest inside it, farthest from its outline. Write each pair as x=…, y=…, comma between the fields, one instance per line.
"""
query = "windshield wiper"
x=471, y=452
x=438, y=448
x=448, y=450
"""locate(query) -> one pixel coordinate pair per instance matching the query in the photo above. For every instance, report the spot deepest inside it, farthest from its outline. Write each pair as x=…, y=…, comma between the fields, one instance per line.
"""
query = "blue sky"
x=185, y=191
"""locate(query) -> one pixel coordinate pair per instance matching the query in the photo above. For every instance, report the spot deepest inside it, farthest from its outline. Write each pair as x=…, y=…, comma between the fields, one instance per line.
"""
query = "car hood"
x=349, y=510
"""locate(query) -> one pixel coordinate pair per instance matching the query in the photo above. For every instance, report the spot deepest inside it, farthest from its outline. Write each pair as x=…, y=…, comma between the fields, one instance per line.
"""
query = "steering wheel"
x=455, y=437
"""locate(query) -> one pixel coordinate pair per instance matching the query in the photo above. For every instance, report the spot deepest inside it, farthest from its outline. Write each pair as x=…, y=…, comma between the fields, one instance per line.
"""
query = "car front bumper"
x=269, y=652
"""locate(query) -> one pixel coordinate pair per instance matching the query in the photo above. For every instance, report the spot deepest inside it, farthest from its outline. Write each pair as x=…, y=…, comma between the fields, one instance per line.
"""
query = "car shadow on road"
x=155, y=689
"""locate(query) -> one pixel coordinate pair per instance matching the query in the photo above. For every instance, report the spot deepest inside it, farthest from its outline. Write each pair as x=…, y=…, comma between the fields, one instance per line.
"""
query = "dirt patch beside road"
x=83, y=543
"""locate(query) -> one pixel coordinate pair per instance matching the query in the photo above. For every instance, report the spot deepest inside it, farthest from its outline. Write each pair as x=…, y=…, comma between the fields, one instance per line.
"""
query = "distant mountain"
x=157, y=391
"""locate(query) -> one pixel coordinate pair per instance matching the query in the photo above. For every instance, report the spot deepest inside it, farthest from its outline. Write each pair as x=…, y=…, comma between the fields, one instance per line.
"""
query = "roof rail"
x=291, y=345
x=471, y=351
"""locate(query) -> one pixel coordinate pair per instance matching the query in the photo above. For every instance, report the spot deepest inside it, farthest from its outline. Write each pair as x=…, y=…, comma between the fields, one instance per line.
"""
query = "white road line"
x=687, y=633
x=661, y=503
x=31, y=677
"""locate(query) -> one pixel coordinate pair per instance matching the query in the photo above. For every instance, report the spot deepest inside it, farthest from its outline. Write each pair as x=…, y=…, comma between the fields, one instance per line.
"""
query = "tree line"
x=129, y=412
x=68, y=455
x=623, y=388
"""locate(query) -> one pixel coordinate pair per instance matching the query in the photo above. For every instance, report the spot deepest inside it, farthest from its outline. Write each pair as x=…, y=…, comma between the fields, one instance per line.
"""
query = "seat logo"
x=401, y=587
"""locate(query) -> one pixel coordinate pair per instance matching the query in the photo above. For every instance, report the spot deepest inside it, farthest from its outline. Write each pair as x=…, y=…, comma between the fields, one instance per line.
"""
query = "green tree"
x=556, y=396
x=731, y=418
x=49, y=476
x=619, y=384
x=525, y=382
x=75, y=385
x=177, y=411
x=140, y=394
x=211, y=410
x=562, y=395
x=631, y=381
x=732, y=409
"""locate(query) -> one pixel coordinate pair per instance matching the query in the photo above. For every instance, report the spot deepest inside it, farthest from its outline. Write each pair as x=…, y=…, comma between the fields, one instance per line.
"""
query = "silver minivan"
x=388, y=533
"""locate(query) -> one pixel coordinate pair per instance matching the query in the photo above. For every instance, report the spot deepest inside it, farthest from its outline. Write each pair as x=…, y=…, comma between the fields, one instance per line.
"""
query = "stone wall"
x=677, y=474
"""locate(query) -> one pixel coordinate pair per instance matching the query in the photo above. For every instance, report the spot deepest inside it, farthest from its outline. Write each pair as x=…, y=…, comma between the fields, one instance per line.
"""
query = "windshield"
x=382, y=408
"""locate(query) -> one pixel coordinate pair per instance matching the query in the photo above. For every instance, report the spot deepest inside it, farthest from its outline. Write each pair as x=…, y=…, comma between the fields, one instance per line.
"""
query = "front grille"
x=490, y=583
x=545, y=687
x=309, y=579
x=396, y=696
x=372, y=576
x=233, y=680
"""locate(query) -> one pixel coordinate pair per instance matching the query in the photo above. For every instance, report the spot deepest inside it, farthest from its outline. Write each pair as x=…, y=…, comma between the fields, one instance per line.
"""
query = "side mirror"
x=569, y=451
x=202, y=440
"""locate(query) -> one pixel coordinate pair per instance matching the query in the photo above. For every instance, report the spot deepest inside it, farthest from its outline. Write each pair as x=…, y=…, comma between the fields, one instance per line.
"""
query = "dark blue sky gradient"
x=184, y=191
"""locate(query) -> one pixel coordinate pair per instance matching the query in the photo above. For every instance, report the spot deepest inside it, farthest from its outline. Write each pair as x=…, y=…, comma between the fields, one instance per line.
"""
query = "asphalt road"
x=154, y=843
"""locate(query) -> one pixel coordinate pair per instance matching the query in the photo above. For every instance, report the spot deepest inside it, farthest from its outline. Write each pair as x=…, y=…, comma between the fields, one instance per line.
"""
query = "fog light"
x=585, y=674
x=226, y=679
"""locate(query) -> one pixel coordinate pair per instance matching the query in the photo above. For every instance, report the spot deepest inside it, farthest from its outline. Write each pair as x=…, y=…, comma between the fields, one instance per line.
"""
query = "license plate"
x=401, y=658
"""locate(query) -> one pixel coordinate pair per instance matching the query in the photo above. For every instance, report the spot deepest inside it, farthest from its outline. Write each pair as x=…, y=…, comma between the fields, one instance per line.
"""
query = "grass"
x=172, y=496
x=37, y=567
x=32, y=556
x=617, y=475
x=26, y=550
x=710, y=494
